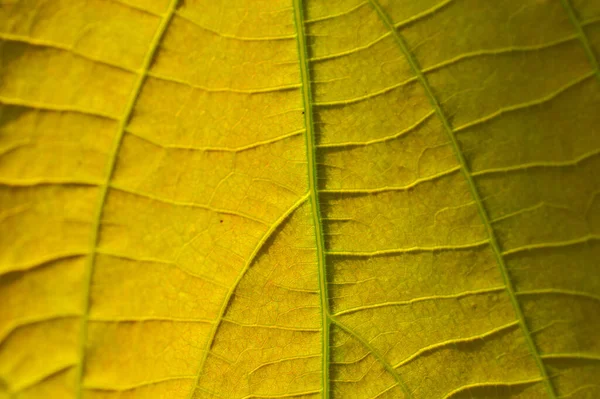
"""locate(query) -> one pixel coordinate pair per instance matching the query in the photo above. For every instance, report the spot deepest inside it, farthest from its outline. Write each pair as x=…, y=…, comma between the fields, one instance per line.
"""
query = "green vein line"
x=221, y=316
x=572, y=356
x=389, y=368
x=139, y=384
x=494, y=384
x=475, y=193
x=313, y=189
x=135, y=93
x=16, y=389
x=582, y=36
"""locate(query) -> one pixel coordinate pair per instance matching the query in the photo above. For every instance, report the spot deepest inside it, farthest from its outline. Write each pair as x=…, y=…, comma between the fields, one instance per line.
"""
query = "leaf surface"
x=299, y=199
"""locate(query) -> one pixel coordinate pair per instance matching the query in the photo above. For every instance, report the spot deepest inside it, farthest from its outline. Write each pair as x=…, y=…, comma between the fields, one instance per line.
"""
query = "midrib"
x=313, y=191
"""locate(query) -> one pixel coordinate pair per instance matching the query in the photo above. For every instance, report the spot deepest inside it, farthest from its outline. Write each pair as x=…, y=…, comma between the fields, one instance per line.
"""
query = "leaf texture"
x=299, y=199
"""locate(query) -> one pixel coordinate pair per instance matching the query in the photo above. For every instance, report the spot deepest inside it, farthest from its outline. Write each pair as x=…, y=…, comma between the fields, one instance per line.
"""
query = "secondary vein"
x=474, y=192
x=221, y=316
x=123, y=121
x=313, y=189
x=582, y=36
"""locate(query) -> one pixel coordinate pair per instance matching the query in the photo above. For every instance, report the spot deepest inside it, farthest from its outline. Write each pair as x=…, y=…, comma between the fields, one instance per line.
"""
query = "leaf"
x=299, y=199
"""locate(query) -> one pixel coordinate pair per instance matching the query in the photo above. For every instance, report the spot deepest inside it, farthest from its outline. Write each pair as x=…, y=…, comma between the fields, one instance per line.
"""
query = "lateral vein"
x=582, y=36
x=123, y=121
x=475, y=194
x=221, y=316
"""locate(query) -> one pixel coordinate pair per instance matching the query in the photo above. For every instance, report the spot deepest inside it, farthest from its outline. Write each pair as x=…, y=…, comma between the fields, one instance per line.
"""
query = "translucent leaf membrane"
x=299, y=199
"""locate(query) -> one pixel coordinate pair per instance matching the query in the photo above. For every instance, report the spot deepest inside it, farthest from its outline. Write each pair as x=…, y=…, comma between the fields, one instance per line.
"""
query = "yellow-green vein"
x=474, y=192
x=389, y=368
x=582, y=36
x=313, y=188
x=221, y=316
x=123, y=121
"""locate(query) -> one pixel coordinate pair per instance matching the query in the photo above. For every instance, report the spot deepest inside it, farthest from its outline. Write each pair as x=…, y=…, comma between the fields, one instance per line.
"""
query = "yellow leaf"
x=299, y=199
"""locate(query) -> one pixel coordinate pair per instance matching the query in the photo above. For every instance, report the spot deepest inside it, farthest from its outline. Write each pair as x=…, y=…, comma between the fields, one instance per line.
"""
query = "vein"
x=539, y=205
x=491, y=384
x=294, y=289
x=422, y=299
x=558, y=244
x=499, y=51
x=221, y=149
x=591, y=21
x=39, y=263
x=366, y=96
x=378, y=190
x=146, y=319
x=234, y=37
x=139, y=384
x=357, y=360
x=385, y=390
x=166, y=19
x=525, y=105
x=364, y=372
x=129, y=257
x=48, y=182
x=389, y=368
x=455, y=341
x=582, y=36
x=313, y=186
x=350, y=51
x=276, y=184
x=221, y=316
x=212, y=393
x=475, y=194
x=558, y=291
x=9, y=212
x=379, y=140
x=357, y=49
x=14, y=325
x=126, y=4
x=188, y=204
x=572, y=356
x=423, y=14
x=15, y=146
x=361, y=281
x=549, y=325
x=532, y=165
x=278, y=361
x=32, y=41
x=401, y=251
x=579, y=389
x=336, y=15
x=260, y=90
x=40, y=378
x=272, y=327
x=55, y=108
x=282, y=396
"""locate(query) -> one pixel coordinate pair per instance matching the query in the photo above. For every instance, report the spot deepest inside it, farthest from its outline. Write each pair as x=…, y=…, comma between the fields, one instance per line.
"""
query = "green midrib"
x=474, y=193
x=313, y=190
